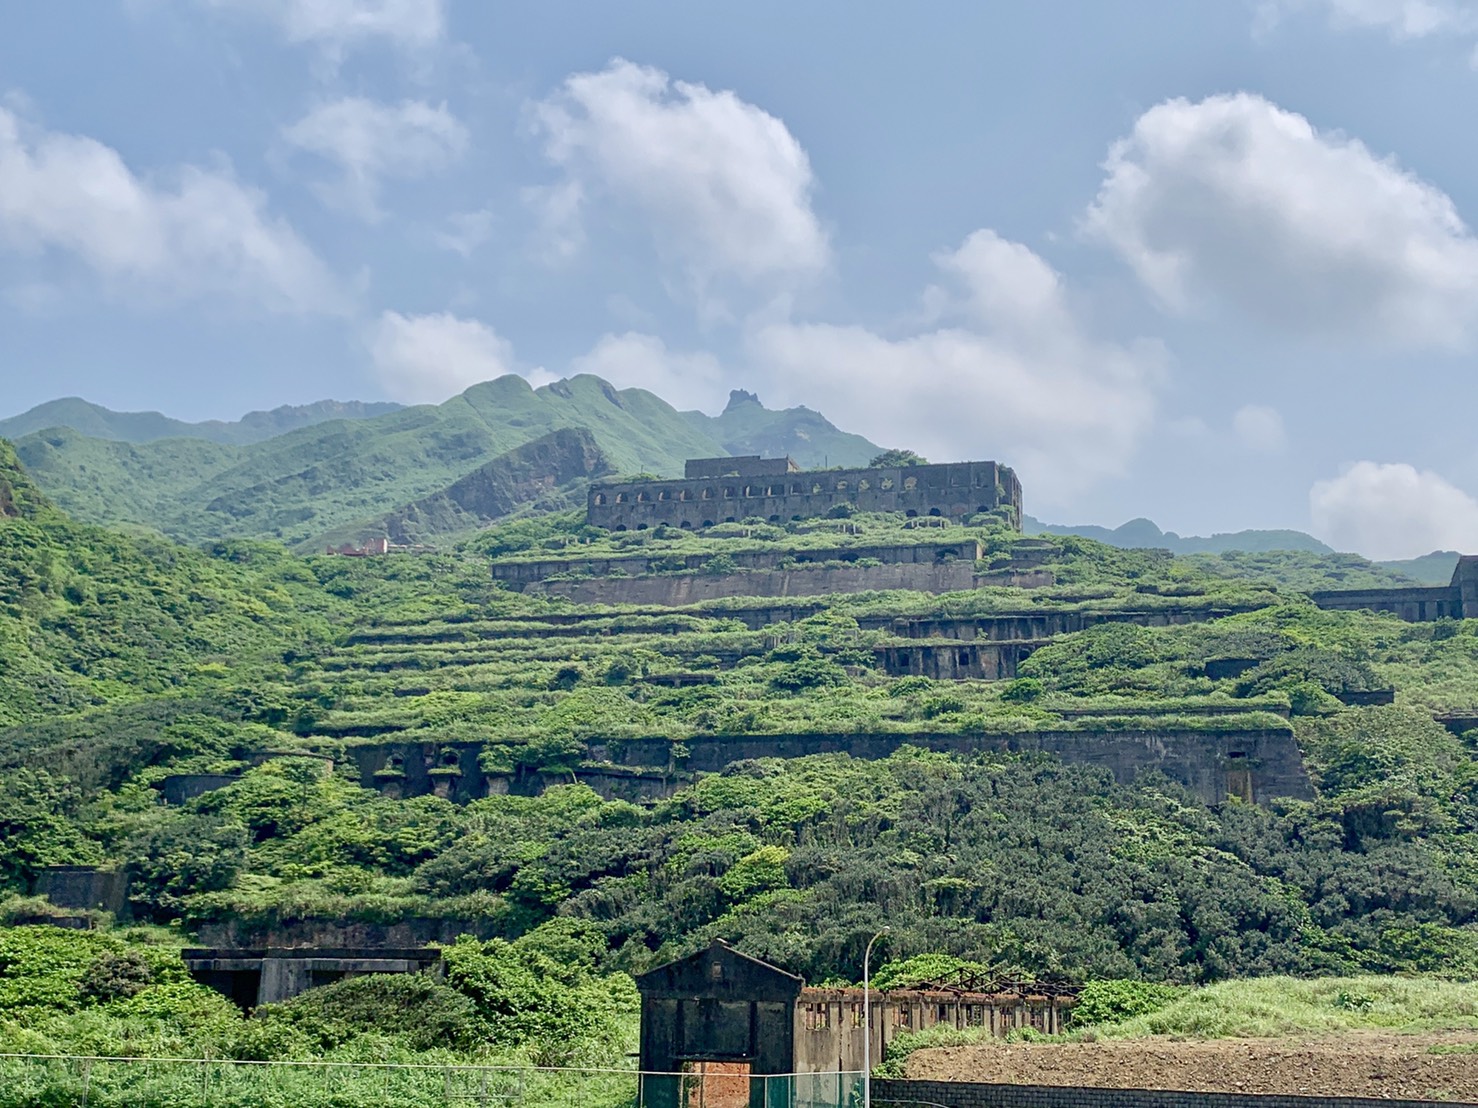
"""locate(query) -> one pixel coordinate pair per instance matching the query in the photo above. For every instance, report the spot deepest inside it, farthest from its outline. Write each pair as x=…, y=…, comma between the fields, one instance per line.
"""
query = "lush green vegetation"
x=316, y=480
x=129, y=659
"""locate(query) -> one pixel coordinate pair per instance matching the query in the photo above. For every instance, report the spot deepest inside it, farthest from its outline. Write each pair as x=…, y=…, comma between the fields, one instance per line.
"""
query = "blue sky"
x=1208, y=262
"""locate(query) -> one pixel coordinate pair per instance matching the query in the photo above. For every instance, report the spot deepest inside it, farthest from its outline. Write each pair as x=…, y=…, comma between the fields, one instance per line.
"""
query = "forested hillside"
x=337, y=477
x=438, y=742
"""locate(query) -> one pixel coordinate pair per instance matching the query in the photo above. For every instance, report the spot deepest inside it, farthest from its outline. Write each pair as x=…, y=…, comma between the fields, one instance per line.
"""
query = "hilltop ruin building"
x=739, y=1024
x=1419, y=604
x=726, y=490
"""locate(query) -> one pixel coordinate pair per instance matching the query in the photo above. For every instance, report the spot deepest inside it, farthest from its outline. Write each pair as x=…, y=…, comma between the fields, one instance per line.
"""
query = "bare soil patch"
x=1357, y=1063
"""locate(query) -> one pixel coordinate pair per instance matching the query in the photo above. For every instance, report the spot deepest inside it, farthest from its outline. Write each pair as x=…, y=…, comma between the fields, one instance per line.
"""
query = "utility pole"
x=867, y=1020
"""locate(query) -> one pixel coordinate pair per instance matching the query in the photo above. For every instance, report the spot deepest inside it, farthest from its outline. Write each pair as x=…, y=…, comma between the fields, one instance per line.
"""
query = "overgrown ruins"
x=726, y=490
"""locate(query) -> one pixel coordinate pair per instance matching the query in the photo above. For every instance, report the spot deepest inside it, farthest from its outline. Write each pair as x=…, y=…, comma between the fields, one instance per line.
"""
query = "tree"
x=890, y=459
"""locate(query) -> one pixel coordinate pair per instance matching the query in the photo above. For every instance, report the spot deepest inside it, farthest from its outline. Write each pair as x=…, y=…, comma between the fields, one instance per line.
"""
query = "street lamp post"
x=867, y=1020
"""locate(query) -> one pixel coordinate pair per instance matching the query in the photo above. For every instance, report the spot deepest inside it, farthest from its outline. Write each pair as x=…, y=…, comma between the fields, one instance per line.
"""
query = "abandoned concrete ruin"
x=731, y=1021
x=1421, y=604
x=267, y=976
x=725, y=490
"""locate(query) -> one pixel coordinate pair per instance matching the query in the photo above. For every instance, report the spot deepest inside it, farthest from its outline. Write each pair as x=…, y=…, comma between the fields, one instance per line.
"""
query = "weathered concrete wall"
x=279, y=975
x=818, y=581
x=179, y=788
x=828, y=1022
x=84, y=888
x=1456, y=600
x=955, y=661
x=322, y=934
x=1256, y=765
x=1021, y=626
x=957, y=1094
x=1416, y=605
x=634, y=565
x=953, y=490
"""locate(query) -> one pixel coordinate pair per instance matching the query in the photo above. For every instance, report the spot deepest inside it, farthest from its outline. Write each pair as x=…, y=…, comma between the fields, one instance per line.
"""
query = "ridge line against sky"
x=1209, y=266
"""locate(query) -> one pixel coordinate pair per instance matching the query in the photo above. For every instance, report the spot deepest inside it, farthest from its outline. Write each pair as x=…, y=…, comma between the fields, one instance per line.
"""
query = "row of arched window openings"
x=730, y=492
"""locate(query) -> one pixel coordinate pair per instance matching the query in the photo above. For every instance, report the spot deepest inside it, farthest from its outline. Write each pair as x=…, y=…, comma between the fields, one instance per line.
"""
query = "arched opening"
x=934, y=511
x=685, y=525
x=708, y=523
x=620, y=498
x=729, y=519
x=774, y=519
x=641, y=526
x=620, y=527
x=644, y=498
x=665, y=494
x=795, y=519
x=910, y=483
x=600, y=498
x=706, y=494
x=911, y=514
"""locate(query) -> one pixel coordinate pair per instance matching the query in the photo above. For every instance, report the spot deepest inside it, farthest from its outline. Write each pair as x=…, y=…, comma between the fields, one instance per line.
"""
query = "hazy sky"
x=1205, y=261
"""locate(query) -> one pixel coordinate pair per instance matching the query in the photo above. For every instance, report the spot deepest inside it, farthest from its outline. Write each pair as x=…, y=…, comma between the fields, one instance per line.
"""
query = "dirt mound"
x=1369, y=1064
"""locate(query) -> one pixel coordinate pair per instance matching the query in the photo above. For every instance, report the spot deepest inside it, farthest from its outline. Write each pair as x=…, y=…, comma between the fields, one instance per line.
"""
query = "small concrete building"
x=723, y=1018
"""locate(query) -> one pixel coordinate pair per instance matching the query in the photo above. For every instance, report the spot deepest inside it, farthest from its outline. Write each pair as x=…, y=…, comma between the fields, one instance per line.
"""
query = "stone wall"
x=955, y=491
x=636, y=564
x=681, y=589
x=84, y=888
x=1254, y=765
x=958, y=1094
x=1456, y=600
x=1026, y=626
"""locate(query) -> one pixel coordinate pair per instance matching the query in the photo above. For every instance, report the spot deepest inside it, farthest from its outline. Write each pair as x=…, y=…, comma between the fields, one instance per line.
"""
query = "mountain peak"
x=740, y=397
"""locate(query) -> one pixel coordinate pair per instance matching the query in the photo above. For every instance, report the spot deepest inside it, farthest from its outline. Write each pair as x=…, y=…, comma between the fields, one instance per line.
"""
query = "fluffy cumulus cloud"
x=1006, y=371
x=337, y=24
x=425, y=359
x=1401, y=19
x=1387, y=510
x=1235, y=202
x=187, y=233
x=723, y=186
x=634, y=360
x=368, y=141
x=1259, y=428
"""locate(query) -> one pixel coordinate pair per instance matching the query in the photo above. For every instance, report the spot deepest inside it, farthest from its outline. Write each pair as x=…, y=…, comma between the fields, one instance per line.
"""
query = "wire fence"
x=79, y=1081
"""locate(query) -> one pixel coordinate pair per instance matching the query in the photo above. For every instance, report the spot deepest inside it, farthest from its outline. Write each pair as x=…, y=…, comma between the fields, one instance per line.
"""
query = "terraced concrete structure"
x=1419, y=604
x=726, y=490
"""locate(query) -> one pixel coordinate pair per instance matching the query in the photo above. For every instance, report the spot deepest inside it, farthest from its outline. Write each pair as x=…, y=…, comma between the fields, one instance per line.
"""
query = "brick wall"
x=956, y=1094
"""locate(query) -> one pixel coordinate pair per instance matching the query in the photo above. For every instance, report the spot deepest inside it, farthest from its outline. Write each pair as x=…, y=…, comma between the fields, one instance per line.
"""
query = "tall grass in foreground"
x=1274, y=1007
x=1262, y=1007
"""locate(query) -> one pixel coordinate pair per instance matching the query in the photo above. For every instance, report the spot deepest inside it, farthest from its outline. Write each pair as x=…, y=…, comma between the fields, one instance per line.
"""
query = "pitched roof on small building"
x=720, y=973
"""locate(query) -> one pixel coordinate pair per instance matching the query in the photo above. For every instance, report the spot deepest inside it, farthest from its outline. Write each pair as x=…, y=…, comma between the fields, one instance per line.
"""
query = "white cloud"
x=187, y=233
x=465, y=232
x=425, y=359
x=1393, y=511
x=369, y=141
x=337, y=24
x=723, y=186
x=1234, y=201
x=1401, y=19
x=634, y=360
x=1015, y=378
x=1259, y=428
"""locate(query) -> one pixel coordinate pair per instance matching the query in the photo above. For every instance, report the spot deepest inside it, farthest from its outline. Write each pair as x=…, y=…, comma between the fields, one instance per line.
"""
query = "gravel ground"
x=1371, y=1064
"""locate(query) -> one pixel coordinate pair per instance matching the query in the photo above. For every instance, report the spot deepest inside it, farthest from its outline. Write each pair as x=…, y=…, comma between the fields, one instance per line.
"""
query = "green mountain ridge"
x=312, y=482
x=98, y=422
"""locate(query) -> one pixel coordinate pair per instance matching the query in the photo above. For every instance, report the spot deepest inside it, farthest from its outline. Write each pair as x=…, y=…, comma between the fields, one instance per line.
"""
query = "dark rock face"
x=528, y=474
